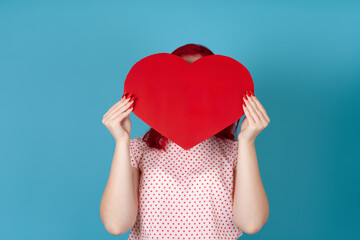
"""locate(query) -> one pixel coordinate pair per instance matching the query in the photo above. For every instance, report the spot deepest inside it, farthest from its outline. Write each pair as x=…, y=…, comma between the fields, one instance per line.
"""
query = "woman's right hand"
x=117, y=119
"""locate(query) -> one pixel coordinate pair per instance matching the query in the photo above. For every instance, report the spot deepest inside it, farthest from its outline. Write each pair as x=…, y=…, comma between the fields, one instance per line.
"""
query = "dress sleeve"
x=136, y=151
x=234, y=153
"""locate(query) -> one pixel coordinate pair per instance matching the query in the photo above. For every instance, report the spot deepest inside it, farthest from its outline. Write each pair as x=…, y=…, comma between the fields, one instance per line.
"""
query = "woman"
x=161, y=191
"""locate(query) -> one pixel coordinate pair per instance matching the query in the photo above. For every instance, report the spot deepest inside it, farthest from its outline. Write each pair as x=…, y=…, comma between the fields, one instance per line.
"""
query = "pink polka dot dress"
x=185, y=194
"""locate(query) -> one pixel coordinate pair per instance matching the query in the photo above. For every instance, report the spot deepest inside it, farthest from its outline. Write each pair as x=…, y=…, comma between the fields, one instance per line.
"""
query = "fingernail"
x=132, y=98
x=252, y=94
x=244, y=104
x=248, y=93
x=128, y=96
x=244, y=96
x=131, y=105
x=123, y=95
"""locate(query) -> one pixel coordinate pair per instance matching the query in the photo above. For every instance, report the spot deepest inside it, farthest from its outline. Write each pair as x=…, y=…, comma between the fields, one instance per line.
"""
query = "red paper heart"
x=188, y=103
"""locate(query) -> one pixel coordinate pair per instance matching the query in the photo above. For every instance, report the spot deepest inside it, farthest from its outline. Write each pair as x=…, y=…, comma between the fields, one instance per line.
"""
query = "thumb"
x=244, y=123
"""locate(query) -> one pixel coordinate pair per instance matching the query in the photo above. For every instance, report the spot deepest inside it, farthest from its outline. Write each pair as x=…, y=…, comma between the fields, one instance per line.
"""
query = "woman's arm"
x=119, y=204
x=251, y=207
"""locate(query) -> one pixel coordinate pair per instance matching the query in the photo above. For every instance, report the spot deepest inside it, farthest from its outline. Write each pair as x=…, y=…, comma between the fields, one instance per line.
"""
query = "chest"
x=185, y=176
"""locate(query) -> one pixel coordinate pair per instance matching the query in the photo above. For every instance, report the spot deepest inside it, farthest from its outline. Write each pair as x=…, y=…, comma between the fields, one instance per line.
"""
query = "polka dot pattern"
x=185, y=194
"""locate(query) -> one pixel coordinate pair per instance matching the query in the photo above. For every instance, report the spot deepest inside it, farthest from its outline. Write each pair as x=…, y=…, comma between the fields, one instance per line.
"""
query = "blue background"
x=63, y=65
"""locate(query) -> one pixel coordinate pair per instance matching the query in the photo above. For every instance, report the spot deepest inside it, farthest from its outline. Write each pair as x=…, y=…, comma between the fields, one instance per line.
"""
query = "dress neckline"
x=206, y=140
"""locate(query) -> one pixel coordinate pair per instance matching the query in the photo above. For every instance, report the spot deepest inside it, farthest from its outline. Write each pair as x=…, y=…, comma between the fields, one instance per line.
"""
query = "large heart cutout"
x=188, y=103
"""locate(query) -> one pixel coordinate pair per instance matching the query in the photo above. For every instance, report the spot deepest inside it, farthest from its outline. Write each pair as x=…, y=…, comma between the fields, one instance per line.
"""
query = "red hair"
x=155, y=139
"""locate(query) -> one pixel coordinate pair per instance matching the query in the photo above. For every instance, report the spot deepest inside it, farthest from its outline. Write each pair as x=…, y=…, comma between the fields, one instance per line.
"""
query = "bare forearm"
x=119, y=203
x=251, y=208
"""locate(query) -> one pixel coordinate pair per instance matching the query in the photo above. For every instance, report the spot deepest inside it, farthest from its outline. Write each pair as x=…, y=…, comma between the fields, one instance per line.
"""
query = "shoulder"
x=227, y=144
x=232, y=146
x=137, y=139
x=138, y=142
x=138, y=147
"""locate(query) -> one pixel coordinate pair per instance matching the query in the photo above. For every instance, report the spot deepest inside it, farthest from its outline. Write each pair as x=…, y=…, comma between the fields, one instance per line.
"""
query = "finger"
x=262, y=109
x=248, y=115
x=126, y=101
x=126, y=97
x=121, y=115
x=256, y=108
x=121, y=108
x=115, y=105
x=247, y=112
x=251, y=109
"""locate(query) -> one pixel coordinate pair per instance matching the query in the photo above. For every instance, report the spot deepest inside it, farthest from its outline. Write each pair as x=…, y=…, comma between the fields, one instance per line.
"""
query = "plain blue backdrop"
x=63, y=65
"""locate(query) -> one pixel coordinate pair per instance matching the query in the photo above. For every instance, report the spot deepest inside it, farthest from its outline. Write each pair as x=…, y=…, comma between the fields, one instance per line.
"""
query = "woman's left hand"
x=256, y=118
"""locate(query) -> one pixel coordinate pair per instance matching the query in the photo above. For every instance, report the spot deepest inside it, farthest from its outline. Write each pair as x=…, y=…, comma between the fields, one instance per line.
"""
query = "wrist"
x=121, y=140
x=245, y=141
